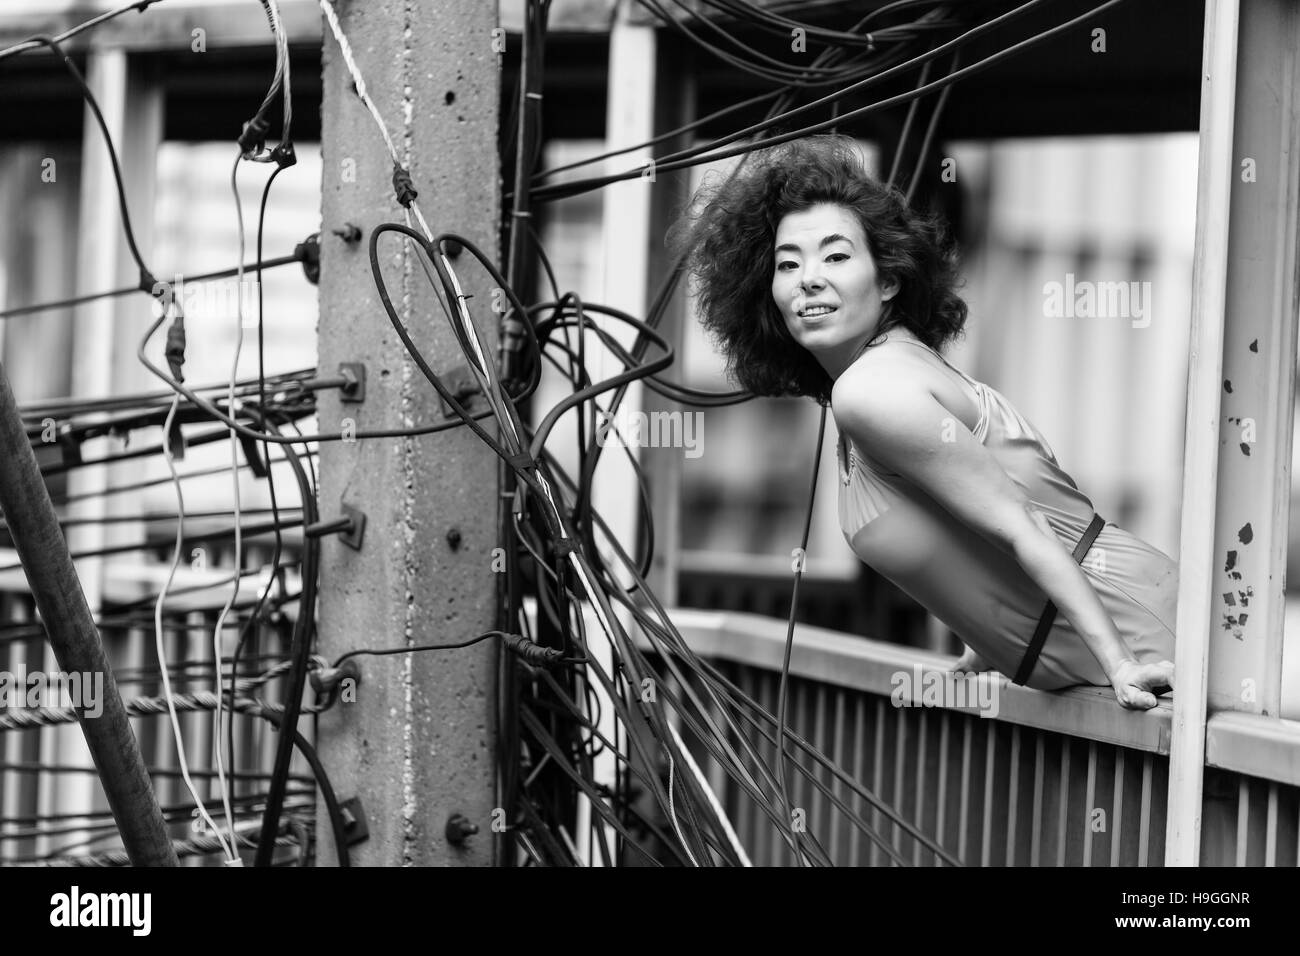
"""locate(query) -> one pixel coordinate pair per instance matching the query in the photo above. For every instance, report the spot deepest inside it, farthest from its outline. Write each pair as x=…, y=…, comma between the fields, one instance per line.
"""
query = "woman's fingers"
x=1163, y=682
x=1134, y=698
x=970, y=662
x=1144, y=683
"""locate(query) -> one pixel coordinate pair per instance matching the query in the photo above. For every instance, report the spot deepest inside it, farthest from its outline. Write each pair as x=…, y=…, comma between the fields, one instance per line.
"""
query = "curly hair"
x=728, y=235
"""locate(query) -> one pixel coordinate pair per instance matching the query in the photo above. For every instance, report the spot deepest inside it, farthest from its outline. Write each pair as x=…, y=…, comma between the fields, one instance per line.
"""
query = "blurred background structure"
x=1072, y=164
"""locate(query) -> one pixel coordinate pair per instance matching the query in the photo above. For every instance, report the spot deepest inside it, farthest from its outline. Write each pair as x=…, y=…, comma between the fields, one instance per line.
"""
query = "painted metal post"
x=1259, y=356
x=1201, y=455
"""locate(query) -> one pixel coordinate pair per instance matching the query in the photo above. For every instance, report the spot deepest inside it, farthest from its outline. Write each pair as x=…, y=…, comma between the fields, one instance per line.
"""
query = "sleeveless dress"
x=982, y=593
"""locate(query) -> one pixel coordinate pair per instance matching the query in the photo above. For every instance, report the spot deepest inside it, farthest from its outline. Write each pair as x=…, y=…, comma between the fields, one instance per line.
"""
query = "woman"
x=815, y=279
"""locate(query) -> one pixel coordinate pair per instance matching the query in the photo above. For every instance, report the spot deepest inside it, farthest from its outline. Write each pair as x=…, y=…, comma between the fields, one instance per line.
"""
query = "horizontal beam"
x=1258, y=746
x=170, y=27
x=1147, y=81
x=191, y=589
x=870, y=666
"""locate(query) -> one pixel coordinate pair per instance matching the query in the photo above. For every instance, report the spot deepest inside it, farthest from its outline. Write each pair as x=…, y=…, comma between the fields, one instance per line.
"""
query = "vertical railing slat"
x=1090, y=794
x=1116, y=828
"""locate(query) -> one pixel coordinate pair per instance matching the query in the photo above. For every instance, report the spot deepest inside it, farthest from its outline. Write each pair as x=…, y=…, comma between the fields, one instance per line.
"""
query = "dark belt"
x=1049, y=613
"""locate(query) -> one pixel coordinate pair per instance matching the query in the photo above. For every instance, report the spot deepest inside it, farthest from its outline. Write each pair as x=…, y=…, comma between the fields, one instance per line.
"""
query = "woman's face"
x=825, y=283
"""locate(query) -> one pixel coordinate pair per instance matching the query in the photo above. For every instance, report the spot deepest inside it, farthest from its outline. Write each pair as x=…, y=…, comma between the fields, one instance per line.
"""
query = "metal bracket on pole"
x=462, y=384
x=354, y=389
x=350, y=527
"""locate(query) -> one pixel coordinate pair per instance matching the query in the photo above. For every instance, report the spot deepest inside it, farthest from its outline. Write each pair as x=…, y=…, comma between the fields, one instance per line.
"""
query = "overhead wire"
x=139, y=6
x=712, y=153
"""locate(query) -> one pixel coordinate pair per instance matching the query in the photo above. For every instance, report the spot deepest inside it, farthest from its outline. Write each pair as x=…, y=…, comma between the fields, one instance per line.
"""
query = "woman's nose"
x=811, y=278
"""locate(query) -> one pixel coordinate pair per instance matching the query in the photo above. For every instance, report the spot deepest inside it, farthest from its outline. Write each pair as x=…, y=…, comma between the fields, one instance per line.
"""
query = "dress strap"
x=940, y=357
x=1026, y=669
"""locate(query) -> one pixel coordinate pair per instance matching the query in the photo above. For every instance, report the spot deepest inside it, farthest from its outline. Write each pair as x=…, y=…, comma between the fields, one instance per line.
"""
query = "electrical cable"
x=161, y=649
x=34, y=43
x=300, y=652
x=278, y=547
x=688, y=158
x=127, y=290
x=147, y=282
x=217, y=743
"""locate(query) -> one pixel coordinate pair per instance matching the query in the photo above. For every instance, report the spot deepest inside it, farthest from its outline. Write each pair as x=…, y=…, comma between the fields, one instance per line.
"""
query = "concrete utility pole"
x=416, y=746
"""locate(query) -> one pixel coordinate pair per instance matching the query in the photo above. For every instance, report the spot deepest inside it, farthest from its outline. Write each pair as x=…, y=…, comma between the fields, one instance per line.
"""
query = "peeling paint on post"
x=1252, y=515
x=417, y=744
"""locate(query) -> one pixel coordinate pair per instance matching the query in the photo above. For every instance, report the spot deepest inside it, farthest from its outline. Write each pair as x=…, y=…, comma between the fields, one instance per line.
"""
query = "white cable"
x=359, y=82
x=711, y=796
x=219, y=723
x=160, y=644
x=280, y=81
x=672, y=814
x=471, y=333
x=281, y=76
x=282, y=61
x=357, y=79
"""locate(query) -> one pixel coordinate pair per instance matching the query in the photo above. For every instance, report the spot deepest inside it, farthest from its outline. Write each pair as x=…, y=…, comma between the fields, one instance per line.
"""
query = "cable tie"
x=531, y=652
x=563, y=547
x=308, y=252
x=175, y=348
x=284, y=155
x=522, y=461
x=533, y=96
x=403, y=185
x=253, y=136
x=175, y=439
x=521, y=214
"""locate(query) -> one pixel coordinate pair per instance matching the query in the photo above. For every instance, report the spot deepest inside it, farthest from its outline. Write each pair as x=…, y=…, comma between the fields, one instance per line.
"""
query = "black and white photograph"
x=511, y=434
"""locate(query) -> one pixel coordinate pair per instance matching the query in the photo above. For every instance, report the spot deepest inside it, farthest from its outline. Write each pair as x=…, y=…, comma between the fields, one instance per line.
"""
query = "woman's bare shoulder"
x=893, y=366
x=889, y=363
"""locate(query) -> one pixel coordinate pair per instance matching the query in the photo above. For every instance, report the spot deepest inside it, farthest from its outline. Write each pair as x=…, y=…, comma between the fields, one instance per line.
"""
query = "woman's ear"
x=888, y=289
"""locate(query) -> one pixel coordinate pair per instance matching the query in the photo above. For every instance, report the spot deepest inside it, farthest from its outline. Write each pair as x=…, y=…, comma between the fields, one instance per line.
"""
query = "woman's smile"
x=815, y=311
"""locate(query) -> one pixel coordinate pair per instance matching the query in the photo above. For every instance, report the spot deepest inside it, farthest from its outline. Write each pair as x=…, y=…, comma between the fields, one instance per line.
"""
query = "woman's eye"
x=781, y=266
x=837, y=256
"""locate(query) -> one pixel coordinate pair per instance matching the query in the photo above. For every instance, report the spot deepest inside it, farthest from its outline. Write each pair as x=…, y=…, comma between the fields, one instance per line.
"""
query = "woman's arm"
x=1046, y=560
x=898, y=417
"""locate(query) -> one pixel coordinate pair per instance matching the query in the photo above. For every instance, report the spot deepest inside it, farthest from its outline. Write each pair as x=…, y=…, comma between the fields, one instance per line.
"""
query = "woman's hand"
x=971, y=662
x=1138, y=685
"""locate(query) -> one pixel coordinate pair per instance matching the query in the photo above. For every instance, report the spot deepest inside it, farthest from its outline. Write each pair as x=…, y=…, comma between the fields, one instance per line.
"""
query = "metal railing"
x=46, y=771
x=1039, y=779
